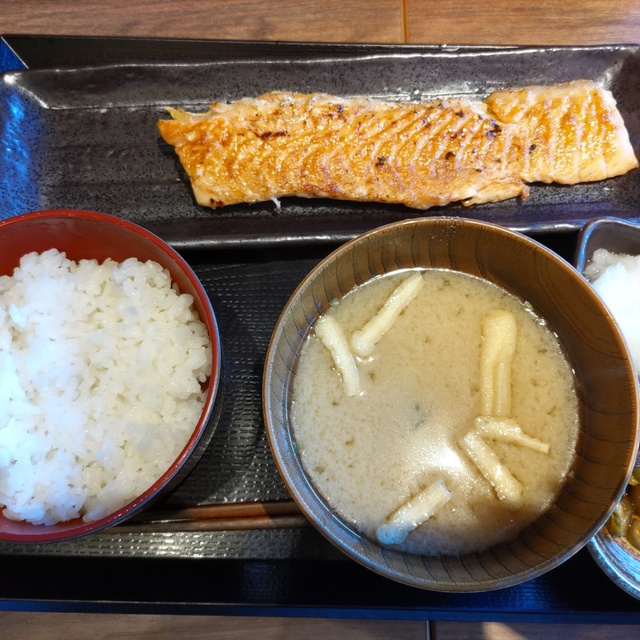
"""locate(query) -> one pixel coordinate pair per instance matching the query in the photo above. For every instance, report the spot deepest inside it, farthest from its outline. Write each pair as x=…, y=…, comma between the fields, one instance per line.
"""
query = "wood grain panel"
x=80, y=626
x=504, y=22
x=529, y=631
x=386, y=21
x=305, y=20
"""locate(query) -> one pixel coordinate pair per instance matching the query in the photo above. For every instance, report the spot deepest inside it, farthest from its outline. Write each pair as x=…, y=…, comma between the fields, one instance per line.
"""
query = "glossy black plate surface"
x=85, y=136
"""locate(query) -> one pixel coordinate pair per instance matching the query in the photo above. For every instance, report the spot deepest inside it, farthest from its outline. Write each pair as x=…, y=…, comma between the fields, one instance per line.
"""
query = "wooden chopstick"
x=216, y=524
x=221, y=511
x=284, y=514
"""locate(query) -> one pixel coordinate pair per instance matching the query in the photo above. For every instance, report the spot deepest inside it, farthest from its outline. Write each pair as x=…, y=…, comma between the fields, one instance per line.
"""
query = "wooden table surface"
x=498, y=22
x=491, y=22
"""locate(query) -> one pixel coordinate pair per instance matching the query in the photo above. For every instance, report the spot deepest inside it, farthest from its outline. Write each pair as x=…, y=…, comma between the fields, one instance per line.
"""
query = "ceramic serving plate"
x=86, y=136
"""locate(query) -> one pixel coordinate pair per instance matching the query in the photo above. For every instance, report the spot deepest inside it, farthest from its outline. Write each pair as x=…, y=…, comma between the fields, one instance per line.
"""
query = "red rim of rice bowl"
x=86, y=234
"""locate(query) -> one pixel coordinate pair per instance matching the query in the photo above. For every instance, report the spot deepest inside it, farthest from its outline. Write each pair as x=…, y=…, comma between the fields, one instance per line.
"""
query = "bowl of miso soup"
x=451, y=404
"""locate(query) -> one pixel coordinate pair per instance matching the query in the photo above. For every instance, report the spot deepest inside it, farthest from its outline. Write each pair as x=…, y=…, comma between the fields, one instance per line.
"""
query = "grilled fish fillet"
x=417, y=154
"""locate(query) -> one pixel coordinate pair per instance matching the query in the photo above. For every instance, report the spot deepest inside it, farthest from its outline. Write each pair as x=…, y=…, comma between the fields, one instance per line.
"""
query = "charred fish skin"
x=417, y=154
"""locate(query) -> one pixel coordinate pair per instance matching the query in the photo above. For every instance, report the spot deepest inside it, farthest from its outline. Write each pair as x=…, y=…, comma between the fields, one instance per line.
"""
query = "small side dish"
x=608, y=255
x=615, y=275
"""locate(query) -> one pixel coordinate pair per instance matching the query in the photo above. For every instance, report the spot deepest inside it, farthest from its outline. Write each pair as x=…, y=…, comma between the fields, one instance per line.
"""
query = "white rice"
x=616, y=279
x=101, y=368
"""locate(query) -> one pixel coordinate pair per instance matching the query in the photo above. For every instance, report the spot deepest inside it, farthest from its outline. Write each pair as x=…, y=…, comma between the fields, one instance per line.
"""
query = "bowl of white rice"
x=109, y=372
x=451, y=404
x=608, y=254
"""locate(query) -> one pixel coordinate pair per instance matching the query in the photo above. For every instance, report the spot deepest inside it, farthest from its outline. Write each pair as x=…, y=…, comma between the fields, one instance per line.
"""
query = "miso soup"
x=419, y=392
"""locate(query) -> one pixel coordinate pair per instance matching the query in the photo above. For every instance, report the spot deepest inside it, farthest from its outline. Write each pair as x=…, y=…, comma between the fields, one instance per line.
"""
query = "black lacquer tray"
x=77, y=130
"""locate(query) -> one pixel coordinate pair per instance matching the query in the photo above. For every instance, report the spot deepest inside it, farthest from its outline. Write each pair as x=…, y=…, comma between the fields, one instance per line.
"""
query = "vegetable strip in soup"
x=391, y=459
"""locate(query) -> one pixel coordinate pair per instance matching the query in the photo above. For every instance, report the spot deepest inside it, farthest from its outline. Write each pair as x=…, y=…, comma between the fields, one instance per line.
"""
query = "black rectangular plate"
x=292, y=572
x=84, y=136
